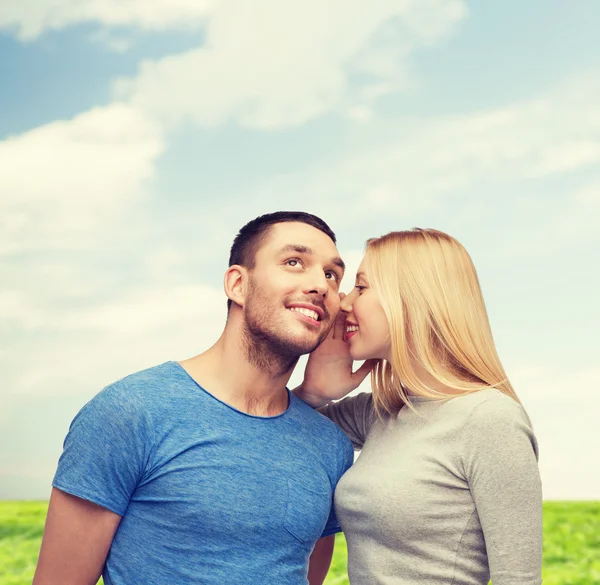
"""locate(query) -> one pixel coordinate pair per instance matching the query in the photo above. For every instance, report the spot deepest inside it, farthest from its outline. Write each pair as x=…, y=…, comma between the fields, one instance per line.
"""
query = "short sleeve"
x=500, y=462
x=354, y=415
x=345, y=458
x=106, y=449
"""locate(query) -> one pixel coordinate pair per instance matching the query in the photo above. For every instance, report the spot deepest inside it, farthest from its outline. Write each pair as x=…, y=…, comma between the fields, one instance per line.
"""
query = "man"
x=210, y=470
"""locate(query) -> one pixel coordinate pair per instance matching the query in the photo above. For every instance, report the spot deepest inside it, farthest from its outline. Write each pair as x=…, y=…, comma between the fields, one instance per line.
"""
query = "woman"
x=447, y=489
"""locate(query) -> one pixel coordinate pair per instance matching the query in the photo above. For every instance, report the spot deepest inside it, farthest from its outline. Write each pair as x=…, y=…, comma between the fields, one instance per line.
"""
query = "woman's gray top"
x=448, y=495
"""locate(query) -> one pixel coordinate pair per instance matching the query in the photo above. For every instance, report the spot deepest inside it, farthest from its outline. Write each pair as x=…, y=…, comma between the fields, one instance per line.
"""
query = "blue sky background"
x=135, y=139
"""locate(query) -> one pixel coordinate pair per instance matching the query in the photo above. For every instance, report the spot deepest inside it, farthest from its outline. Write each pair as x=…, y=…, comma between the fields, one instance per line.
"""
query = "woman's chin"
x=358, y=356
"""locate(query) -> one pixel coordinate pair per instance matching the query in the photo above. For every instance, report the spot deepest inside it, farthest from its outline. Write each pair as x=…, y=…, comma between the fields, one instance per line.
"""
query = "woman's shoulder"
x=484, y=400
x=489, y=408
x=492, y=413
x=495, y=425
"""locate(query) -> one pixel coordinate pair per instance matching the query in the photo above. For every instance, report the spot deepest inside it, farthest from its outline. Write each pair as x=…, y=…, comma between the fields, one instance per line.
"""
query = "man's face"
x=292, y=297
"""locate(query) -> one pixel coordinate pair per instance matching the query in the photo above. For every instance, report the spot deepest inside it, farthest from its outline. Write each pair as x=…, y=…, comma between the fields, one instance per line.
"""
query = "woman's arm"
x=500, y=461
x=320, y=560
x=354, y=415
x=328, y=375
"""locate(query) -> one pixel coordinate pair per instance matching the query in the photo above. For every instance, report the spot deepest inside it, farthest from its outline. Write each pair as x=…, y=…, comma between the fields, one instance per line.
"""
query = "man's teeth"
x=312, y=314
x=351, y=328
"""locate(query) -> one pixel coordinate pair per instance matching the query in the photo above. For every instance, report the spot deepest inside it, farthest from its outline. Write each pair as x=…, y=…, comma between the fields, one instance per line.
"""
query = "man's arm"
x=76, y=541
x=320, y=559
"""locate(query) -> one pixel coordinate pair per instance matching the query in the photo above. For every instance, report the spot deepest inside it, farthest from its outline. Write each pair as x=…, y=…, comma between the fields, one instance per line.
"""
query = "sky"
x=137, y=137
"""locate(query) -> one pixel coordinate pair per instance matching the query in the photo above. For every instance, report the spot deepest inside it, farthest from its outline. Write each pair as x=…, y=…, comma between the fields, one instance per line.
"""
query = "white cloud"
x=30, y=18
x=62, y=182
x=289, y=67
x=580, y=217
x=425, y=162
x=145, y=313
x=118, y=43
x=16, y=309
x=101, y=342
x=589, y=195
x=359, y=113
x=553, y=134
x=139, y=312
x=266, y=63
x=71, y=194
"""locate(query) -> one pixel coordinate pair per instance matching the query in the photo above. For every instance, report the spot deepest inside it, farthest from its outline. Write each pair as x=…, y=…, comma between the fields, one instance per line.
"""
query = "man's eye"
x=293, y=262
x=331, y=275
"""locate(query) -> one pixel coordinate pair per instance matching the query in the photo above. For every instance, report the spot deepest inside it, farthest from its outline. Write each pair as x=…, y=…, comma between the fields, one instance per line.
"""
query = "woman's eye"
x=360, y=288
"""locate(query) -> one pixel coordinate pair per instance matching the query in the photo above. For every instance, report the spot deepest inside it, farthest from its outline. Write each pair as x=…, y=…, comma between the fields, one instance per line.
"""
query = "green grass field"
x=571, y=544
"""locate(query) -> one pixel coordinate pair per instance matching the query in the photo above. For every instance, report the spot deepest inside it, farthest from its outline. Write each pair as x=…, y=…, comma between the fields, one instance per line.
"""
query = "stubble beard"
x=265, y=347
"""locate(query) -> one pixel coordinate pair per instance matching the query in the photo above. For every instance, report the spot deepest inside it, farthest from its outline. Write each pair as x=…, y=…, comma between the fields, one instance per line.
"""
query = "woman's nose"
x=346, y=302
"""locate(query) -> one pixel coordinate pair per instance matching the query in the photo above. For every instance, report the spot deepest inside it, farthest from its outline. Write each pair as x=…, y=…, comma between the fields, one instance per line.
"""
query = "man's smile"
x=309, y=313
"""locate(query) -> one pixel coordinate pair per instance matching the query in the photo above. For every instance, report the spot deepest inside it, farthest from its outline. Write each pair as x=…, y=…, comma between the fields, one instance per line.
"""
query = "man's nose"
x=317, y=283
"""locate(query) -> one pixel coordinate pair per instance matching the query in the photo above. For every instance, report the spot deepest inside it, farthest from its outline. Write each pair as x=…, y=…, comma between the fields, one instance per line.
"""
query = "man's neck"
x=227, y=372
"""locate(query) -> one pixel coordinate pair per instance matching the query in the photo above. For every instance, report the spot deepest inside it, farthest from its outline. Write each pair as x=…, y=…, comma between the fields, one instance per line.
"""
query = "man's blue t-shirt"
x=208, y=494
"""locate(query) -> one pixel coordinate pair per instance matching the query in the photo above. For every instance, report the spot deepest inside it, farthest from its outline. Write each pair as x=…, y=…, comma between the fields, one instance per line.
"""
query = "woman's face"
x=367, y=330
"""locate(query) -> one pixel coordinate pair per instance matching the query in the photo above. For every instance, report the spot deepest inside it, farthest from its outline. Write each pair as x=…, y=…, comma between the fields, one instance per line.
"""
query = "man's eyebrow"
x=339, y=262
x=302, y=249
x=298, y=248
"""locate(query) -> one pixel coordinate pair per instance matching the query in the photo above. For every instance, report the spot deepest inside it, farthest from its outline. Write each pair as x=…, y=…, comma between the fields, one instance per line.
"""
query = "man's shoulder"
x=150, y=376
x=136, y=388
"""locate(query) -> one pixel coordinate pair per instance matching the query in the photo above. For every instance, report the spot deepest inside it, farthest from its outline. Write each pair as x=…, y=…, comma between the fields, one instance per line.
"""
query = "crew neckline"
x=230, y=406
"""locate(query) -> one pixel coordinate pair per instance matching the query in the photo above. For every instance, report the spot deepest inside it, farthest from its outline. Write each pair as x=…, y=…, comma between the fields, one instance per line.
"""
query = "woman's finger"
x=340, y=326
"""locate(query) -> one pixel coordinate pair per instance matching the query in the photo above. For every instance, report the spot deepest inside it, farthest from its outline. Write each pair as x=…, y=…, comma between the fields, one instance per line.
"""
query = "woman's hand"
x=328, y=375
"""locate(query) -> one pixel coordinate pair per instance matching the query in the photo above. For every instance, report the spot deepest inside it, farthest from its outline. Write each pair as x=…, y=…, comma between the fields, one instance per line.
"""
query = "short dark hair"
x=252, y=236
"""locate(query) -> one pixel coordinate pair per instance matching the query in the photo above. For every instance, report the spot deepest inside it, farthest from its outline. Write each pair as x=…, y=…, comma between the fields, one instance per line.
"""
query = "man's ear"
x=235, y=284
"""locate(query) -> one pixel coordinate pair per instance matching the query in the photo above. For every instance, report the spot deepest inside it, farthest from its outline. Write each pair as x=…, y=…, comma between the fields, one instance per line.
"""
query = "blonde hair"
x=430, y=293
